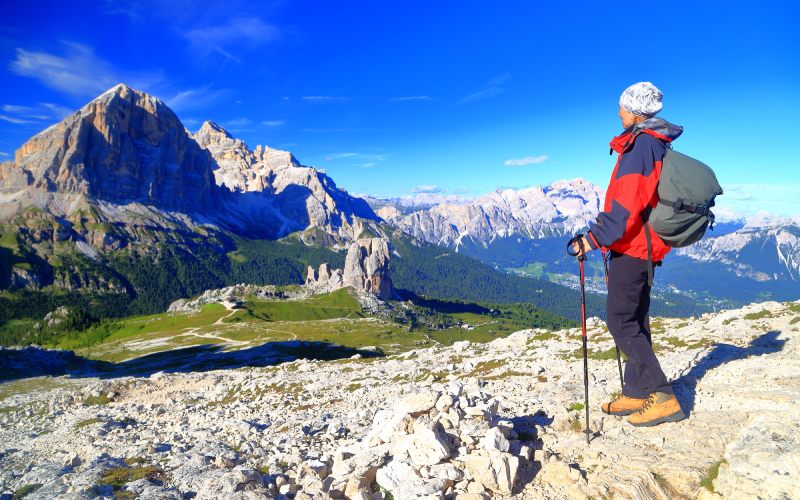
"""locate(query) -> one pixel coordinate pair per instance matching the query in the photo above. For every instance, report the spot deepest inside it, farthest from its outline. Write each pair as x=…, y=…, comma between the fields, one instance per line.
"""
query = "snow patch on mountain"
x=781, y=242
x=535, y=212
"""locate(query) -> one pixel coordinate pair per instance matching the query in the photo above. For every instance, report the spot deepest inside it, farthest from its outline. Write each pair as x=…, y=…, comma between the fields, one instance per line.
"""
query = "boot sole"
x=620, y=413
x=675, y=417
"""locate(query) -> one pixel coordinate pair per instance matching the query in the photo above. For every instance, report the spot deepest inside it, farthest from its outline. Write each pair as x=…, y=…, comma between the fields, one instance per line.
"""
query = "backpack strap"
x=681, y=205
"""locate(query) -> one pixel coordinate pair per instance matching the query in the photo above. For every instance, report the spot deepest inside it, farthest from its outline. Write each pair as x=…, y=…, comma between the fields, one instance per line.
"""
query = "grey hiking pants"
x=628, y=321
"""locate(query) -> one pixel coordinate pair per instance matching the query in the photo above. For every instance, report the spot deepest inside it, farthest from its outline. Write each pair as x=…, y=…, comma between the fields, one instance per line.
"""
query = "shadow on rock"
x=525, y=427
x=16, y=364
x=685, y=386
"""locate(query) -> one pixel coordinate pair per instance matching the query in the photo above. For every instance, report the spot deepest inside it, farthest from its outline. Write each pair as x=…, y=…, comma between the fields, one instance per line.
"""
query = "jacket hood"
x=657, y=127
x=660, y=126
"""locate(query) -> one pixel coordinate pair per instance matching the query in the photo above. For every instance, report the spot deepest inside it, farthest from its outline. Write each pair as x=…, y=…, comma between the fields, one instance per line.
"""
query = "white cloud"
x=482, y=94
x=25, y=115
x=77, y=71
x=339, y=156
x=197, y=98
x=412, y=98
x=3, y=154
x=499, y=80
x=12, y=108
x=225, y=38
x=238, y=122
x=324, y=98
x=328, y=130
x=427, y=188
x=273, y=123
x=17, y=121
x=526, y=160
x=363, y=157
x=362, y=160
x=748, y=199
x=493, y=87
x=56, y=110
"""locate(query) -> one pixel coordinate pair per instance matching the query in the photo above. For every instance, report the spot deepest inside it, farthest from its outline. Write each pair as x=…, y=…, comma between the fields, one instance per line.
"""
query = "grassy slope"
x=335, y=318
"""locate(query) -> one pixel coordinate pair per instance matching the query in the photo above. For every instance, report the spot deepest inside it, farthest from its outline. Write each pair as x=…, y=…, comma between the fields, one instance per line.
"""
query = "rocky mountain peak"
x=213, y=134
x=119, y=88
x=124, y=146
x=128, y=147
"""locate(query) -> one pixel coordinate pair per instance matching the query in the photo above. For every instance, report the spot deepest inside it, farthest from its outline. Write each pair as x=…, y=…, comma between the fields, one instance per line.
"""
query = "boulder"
x=495, y=470
x=385, y=425
x=404, y=483
x=428, y=446
x=221, y=483
x=556, y=473
x=418, y=403
x=495, y=440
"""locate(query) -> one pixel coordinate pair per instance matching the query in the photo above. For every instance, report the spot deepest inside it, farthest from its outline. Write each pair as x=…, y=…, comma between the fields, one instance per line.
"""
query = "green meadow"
x=335, y=318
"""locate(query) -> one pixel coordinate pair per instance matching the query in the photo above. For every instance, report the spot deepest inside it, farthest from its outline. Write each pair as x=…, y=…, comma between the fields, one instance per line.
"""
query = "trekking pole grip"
x=578, y=239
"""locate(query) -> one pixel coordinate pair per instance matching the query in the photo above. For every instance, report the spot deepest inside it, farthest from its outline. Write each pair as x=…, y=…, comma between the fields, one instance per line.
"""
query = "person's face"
x=627, y=117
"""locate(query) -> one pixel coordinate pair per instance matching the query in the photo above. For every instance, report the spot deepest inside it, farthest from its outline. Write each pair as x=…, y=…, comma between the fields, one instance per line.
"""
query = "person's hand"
x=585, y=244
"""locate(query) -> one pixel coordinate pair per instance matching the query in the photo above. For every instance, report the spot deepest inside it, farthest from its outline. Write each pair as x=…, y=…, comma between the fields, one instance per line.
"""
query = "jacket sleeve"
x=630, y=191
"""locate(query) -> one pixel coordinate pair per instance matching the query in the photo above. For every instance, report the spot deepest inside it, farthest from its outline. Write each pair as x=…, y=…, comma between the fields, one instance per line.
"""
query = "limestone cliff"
x=125, y=146
x=122, y=173
x=298, y=197
x=366, y=269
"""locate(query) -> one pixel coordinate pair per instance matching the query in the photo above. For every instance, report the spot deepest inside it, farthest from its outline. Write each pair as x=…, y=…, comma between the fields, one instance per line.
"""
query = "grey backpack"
x=686, y=192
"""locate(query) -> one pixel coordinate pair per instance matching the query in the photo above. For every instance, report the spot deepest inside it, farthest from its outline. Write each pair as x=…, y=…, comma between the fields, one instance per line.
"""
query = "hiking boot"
x=660, y=407
x=623, y=405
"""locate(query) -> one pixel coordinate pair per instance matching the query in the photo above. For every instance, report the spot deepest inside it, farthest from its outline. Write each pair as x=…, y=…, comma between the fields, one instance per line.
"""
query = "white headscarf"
x=641, y=98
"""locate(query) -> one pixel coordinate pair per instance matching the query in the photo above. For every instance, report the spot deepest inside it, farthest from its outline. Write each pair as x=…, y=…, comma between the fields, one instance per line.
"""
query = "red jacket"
x=633, y=190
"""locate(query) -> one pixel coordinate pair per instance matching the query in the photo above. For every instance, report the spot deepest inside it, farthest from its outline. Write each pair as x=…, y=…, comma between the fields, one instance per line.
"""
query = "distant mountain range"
x=120, y=200
x=525, y=231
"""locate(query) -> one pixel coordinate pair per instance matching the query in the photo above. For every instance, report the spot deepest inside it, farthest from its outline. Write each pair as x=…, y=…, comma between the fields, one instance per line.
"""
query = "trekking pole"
x=616, y=348
x=578, y=239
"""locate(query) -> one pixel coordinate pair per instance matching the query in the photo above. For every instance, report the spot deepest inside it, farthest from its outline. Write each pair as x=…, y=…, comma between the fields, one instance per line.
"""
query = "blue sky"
x=393, y=98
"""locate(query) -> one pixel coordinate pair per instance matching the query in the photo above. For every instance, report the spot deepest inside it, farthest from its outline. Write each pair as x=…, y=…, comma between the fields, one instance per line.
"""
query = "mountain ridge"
x=267, y=219
x=524, y=231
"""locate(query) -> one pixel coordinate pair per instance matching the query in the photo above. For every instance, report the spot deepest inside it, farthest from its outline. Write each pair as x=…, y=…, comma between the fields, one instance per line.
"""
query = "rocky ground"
x=469, y=421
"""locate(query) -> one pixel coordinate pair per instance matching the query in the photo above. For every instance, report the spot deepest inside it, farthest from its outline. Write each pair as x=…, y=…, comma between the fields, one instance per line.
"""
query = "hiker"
x=647, y=395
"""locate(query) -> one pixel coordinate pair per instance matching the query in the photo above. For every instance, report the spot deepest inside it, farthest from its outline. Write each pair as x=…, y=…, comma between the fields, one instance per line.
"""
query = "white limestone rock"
x=428, y=446
x=418, y=402
x=556, y=473
x=762, y=462
x=495, y=470
x=495, y=440
x=404, y=483
x=367, y=267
